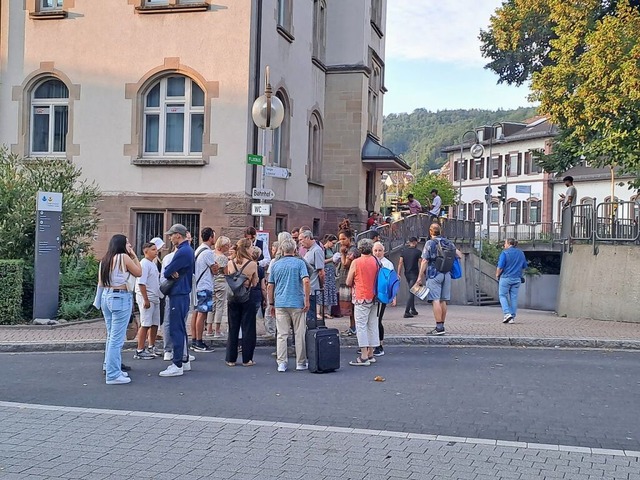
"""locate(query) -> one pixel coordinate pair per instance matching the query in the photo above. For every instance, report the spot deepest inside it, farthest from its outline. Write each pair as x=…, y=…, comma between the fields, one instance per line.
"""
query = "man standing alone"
x=509, y=273
x=436, y=206
x=180, y=269
x=410, y=261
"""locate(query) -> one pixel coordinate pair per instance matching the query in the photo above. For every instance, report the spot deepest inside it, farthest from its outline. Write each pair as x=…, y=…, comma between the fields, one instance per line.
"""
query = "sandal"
x=328, y=317
x=230, y=364
x=359, y=362
x=250, y=363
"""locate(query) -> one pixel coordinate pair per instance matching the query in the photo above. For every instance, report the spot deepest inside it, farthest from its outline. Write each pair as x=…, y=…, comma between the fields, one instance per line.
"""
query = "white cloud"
x=437, y=30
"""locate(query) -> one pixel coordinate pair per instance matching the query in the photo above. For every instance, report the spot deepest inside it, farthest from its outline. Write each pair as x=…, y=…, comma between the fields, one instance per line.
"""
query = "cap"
x=158, y=242
x=413, y=239
x=177, y=228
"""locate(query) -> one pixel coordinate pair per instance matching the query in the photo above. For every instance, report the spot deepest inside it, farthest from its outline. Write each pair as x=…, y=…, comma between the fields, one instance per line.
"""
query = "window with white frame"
x=315, y=148
x=462, y=211
x=478, y=168
x=478, y=212
x=495, y=213
x=530, y=164
x=173, y=118
x=512, y=165
x=281, y=135
x=534, y=210
x=375, y=85
x=319, y=29
x=513, y=209
x=49, y=120
x=48, y=5
x=495, y=166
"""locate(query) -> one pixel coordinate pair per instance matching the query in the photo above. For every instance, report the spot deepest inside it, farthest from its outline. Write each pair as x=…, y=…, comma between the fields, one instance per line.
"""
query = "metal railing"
x=534, y=232
x=395, y=235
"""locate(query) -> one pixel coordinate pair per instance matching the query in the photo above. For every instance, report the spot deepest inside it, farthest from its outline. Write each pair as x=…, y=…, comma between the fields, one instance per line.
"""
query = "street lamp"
x=488, y=196
x=267, y=113
x=476, y=150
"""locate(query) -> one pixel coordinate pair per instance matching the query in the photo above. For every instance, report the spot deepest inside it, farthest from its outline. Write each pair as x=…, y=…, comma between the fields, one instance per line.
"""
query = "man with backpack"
x=437, y=261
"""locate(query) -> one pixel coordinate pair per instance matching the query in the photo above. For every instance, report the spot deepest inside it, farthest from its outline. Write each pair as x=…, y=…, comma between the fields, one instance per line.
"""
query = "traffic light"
x=502, y=192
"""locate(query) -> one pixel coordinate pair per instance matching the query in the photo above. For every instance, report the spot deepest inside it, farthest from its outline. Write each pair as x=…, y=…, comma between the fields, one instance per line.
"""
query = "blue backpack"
x=387, y=284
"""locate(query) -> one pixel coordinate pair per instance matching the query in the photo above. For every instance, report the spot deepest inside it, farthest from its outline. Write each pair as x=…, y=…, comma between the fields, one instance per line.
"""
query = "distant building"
x=152, y=98
x=508, y=160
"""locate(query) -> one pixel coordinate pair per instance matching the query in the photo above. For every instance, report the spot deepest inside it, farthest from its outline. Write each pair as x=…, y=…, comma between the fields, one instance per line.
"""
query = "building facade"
x=152, y=99
x=508, y=160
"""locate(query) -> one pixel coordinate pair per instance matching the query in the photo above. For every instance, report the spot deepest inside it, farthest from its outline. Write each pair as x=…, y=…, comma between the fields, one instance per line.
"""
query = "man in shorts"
x=438, y=283
x=206, y=267
x=148, y=299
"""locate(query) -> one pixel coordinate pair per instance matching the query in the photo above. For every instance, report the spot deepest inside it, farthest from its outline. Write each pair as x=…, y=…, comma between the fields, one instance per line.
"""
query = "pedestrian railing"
x=534, y=232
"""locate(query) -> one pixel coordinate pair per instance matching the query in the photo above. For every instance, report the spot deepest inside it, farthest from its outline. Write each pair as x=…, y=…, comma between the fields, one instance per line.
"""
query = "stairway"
x=485, y=300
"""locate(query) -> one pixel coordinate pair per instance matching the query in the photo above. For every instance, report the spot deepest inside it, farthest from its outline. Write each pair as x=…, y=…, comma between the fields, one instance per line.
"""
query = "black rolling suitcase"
x=323, y=345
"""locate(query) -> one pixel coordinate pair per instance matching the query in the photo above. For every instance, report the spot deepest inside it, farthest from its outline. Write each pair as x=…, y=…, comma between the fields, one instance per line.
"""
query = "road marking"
x=352, y=431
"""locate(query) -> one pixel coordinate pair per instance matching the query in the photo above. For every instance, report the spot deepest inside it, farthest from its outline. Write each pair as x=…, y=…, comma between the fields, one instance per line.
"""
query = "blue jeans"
x=508, y=290
x=178, y=309
x=116, y=308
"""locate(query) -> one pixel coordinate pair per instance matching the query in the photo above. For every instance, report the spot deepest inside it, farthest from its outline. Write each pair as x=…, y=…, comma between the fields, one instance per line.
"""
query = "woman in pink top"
x=362, y=277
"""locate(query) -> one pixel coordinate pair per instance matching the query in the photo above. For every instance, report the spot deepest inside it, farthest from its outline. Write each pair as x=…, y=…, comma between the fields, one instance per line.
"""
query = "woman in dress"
x=330, y=297
x=118, y=264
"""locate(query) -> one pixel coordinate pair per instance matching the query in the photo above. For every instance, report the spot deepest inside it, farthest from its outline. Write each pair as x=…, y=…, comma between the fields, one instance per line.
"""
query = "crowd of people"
x=298, y=284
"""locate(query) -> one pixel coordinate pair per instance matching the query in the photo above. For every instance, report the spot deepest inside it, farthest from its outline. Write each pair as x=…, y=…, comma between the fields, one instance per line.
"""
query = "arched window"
x=281, y=135
x=173, y=118
x=532, y=210
x=513, y=212
x=478, y=211
x=315, y=148
x=319, y=28
x=462, y=211
x=49, y=118
x=586, y=201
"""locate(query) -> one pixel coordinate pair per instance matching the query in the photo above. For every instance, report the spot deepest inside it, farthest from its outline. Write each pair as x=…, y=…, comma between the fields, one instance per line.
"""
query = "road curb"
x=398, y=340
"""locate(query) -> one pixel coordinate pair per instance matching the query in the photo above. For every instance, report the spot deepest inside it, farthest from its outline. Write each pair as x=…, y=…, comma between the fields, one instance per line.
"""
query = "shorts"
x=439, y=287
x=149, y=317
x=204, y=302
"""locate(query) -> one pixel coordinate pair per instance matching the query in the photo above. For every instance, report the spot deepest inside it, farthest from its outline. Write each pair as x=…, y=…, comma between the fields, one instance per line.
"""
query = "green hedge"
x=10, y=291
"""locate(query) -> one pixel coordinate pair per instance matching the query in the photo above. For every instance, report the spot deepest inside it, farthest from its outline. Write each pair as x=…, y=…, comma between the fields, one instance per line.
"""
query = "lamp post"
x=476, y=150
x=267, y=114
x=488, y=196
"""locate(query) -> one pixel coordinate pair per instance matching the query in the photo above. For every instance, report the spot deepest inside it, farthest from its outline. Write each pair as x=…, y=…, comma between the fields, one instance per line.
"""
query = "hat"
x=158, y=242
x=177, y=228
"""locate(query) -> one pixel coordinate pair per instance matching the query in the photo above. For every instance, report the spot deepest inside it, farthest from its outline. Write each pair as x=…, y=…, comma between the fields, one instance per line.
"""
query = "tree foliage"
x=421, y=189
x=423, y=134
x=588, y=82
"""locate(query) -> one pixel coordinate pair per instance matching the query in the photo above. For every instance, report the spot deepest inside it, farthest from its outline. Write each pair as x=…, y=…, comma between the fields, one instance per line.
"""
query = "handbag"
x=238, y=292
x=167, y=285
x=456, y=269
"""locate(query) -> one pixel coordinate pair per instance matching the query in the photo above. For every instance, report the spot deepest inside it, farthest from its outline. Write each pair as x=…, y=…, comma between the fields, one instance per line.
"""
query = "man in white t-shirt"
x=206, y=267
x=148, y=299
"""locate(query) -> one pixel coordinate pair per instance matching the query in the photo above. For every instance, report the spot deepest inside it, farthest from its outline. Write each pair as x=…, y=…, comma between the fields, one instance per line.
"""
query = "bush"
x=10, y=291
x=491, y=251
x=78, y=278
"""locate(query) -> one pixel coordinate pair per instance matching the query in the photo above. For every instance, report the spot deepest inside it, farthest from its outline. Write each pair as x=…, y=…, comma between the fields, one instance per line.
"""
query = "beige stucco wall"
x=102, y=57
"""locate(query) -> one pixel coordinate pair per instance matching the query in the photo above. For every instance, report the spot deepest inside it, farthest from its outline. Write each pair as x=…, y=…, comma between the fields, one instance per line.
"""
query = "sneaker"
x=282, y=367
x=186, y=366
x=218, y=335
x=143, y=355
x=512, y=320
x=349, y=332
x=414, y=312
x=171, y=371
x=124, y=368
x=435, y=331
x=121, y=380
x=168, y=356
x=209, y=335
x=407, y=315
x=191, y=358
x=508, y=318
x=378, y=351
x=124, y=374
x=302, y=366
x=202, y=347
x=155, y=350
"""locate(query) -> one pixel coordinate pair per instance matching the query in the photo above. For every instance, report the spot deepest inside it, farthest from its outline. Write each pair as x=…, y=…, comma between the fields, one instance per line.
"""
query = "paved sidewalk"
x=468, y=325
x=49, y=442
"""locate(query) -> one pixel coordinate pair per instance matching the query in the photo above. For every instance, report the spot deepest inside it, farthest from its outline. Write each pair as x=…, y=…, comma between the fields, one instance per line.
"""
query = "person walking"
x=509, y=272
x=242, y=314
x=288, y=295
x=378, y=252
x=363, y=272
x=410, y=262
x=180, y=269
x=116, y=303
x=438, y=283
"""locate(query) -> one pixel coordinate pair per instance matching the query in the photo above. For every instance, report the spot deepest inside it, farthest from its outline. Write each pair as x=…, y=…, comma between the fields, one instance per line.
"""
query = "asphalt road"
x=567, y=397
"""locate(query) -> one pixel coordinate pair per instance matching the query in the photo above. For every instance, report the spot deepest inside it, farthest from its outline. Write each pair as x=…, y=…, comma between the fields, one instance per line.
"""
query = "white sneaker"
x=302, y=366
x=121, y=380
x=191, y=358
x=171, y=371
x=186, y=366
x=168, y=356
x=282, y=367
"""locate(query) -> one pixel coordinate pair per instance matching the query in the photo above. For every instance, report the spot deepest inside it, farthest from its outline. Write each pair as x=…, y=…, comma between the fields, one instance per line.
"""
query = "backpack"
x=387, y=284
x=445, y=256
x=238, y=292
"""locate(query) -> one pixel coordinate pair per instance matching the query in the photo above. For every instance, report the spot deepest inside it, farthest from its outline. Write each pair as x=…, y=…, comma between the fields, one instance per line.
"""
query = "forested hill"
x=423, y=134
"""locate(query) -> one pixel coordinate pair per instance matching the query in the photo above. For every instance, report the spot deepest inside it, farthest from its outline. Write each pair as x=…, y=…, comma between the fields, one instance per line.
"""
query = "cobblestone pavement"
x=462, y=320
x=42, y=442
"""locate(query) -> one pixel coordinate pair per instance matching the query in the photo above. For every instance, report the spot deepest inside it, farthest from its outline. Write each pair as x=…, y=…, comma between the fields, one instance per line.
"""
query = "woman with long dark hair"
x=242, y=314
x=116, y=303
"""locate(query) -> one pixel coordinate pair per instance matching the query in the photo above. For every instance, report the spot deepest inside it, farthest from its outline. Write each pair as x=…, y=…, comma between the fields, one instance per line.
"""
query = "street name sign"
x=277, y=172
x=523, y=189
x=260, y=209
x=254, y=159
x=262, y=194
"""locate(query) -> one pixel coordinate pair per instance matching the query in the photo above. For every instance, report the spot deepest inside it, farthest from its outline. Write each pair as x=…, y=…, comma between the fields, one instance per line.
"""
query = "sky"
x=433, y=58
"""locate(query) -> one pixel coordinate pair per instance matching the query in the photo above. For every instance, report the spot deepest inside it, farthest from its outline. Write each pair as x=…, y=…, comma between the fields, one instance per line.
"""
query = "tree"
x=589, y=80
x=425, y=183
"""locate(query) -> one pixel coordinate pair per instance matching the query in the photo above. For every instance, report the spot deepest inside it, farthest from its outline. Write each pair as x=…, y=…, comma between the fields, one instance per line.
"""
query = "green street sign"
x=254, y=159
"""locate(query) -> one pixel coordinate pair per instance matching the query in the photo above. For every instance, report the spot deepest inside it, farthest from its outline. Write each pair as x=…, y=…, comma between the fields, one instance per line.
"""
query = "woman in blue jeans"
x=116, y=302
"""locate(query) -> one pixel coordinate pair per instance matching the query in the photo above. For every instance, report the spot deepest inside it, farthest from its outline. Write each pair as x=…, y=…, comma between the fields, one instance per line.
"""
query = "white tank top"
x=118, y=275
